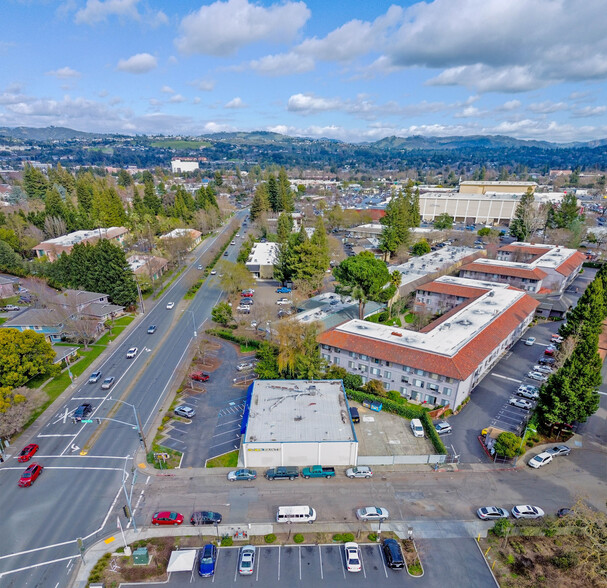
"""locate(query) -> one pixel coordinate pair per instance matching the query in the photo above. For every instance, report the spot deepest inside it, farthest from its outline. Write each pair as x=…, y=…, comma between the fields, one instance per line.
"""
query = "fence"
x=400, y=459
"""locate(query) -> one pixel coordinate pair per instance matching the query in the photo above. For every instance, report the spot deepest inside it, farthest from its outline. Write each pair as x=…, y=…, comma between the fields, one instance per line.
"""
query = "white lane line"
x=83, y=457
x=231, y=431
x=279, y=563
x=41, y=435
x=43, y=563
x=343, y=561
x=507, y=378
x=381, y=556
x=300, y=563
x=603, y=393
x=322, y=577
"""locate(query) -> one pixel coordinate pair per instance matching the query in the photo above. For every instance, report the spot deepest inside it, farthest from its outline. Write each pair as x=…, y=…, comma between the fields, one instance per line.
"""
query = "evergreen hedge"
x=228, y=335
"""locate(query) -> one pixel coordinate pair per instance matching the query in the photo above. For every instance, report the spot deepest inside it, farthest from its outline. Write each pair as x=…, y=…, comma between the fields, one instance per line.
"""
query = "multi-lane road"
x=84, y=464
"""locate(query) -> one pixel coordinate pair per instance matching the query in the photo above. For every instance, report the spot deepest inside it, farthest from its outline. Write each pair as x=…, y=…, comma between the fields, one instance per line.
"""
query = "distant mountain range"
x=266, y=138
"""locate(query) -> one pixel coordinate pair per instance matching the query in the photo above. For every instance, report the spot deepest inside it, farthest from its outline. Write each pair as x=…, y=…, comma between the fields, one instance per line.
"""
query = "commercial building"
x=148, y=265
x=184, y=164
x=297, y=423
x=537, y=269
x=442, y=363
x=53, y=248
x=193, y=236
x=261, y=260
x=486, y=187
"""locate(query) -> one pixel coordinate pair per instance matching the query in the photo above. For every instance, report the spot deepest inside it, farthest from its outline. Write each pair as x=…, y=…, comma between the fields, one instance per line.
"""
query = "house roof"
x=572, y=263
x=459, y=366
x=526, y=248
x=452, y=289
x=502, y=269
x=66, y=242
x=100, y=309
x=77, y=297
x=43, y=317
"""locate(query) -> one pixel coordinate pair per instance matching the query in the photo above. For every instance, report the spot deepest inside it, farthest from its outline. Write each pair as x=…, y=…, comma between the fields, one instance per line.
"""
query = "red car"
x=199, y=376
x=167, y=517
x=247, y=294
x=27, y=452
x=28, y=477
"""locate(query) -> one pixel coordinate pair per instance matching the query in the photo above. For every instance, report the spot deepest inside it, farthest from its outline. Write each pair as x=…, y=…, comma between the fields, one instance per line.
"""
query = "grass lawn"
x=228, y=460
x=3, y=320
x=409, y=317
x=247, y=348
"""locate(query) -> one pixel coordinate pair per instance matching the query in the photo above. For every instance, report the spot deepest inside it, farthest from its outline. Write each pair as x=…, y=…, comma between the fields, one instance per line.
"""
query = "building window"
x=337, y=350
x=364, y=379
x=387, y=364
x=407, y=369
x=447, y=391
x=336, y=361
x=415, y=395
x=362, y=356
x=403, y=391
x=375, y=371
x=433, y=387
x=326, y=356
x=351, y=364
x=325, y=346
x=433, y=376
x=420, y=372
x=444, y=402
x=362, y=368
x=418, y=383
x=404, y=379
x=430, y=399
x=375, y=360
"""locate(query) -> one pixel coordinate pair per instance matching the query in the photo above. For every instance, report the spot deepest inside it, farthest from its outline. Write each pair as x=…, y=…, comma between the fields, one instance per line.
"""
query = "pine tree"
x=284, y=226
x=396, y=223
x=522, y=224
x=35, y=183
x=53, y=204
x=150, y=199
x=273, y=194
x=261, y=202
x=285, y=197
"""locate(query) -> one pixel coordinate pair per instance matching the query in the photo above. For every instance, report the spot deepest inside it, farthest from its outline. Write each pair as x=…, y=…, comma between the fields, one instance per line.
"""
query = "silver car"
x=492, y=512
x=372, y=513
x=542, y=369
x=527, y=391
x=526, y=511
x=537, y=376
x=521, y=403
x=185, y=411
x=247, y=560
x=359, y=472
x=559, y=450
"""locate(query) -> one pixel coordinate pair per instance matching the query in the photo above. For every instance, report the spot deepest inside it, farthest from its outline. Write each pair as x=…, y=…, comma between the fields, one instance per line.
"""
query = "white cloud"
x=177, y=99
x=589, y=111
x=138, y=64
x=235, y=103
x=98, y=11
x=547, y=107
x=283, y=64
x=222, y=28
x=488, y=79
x=469, y=112
x=64, y=73
x=203, y=85
x=509, y=105
x=167, y=90
x=309, y=104
x=196, y=100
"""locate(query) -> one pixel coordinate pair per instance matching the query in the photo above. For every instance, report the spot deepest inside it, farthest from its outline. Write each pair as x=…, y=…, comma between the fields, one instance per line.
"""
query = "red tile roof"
x=453, y=289
x=505, y=270
x=572, y=263
x=460, y=366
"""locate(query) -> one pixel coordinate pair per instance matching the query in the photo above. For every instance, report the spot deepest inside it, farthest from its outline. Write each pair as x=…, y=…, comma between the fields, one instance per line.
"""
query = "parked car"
x=284, y=312
x=352, y=557
x=166, y=517
x=563, y=512
x=556, y=338
x=550, y=350
x=30, y=475
x=246, y=294
x=226, y=253
x=242, y=475
x=107, y=383
x=359, y=472
x=27, y=452
x=244, y=308
x=282, y=473
x=132, y=352
x=248, y=291
x=246, y=301
x=537, y=376
x=282, y=301
x=213, y=272
x=492, y=512
x=521, y=403
x=542, y=369
x=206, y=560
x=443, y=428
x=283, y=290
x=185, y=411
x=528, y=391
x=539, y=460
x=151, y=329
x=246, y=565
x=12, y=307
x=94, y=377
x=83, y=411
x=233, y=243
x=393, y=553
x=199, y=267
x=205, y=517
x=557, y=450
x=529, y=340
x=546, y=360
x=170, y=305
x=372, y=513
x=200, y=377
x=526, y=511
x=245, y=365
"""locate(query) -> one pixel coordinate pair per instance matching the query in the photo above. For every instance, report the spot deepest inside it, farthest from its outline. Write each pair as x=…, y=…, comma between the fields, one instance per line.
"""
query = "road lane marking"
x=43, y=563
x=322, y=577
x=507, y=378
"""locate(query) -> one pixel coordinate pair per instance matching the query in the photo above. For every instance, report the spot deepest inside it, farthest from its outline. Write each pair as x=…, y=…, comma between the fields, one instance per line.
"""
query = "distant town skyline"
x=354, y=70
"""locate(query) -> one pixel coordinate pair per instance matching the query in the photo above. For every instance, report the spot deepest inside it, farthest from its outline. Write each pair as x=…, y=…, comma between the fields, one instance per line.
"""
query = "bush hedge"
x=299, y=538
x=228, y=335
x=439, y=446
x=409, y=411
x=270, y=538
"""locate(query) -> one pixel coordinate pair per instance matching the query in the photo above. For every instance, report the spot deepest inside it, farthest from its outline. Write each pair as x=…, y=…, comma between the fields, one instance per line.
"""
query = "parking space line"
x=225, y=433
x=228, y=422
x=300, y=562
x=279, y=563
x=507, y=378
x=343, y=560
x=381, y=556
x=237, y=561
x=322, y=577
x=258, y=565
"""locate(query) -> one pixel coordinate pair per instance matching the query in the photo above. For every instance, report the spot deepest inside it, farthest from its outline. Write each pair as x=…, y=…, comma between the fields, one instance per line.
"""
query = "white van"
x=417, y=428
x=295, y=514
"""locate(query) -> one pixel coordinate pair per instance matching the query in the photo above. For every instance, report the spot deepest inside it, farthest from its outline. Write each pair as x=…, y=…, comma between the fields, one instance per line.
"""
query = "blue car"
x=283, y=290
x=206, y=560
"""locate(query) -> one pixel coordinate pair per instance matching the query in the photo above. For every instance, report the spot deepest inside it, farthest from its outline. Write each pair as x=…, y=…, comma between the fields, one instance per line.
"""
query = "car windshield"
x=173, y=516
x=27, y=474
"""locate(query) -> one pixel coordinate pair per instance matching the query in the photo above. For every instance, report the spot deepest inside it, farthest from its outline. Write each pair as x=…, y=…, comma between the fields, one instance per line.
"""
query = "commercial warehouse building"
x=297, y=423
x=441, y=364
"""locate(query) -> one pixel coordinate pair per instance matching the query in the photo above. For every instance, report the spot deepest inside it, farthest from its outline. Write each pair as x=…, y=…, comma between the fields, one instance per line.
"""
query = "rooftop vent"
x=464, y=322
x=396, y=334
x=362, y=327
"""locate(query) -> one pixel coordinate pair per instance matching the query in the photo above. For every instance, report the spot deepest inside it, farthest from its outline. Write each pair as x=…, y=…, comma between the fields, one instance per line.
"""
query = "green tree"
x=420, y=248
x=124, y=179
x=589, y=312
x=523, y=223
x=53, y=204
x=363, y=277
x=507, y=445
x=396, y=221
x=285, y=194
x=568, y=211
x=261, y=201
x=267, y=364
x=284, y=226
x=150, y=199
x=35, y=183
x=10, y=261
x=274, y=194
x=23, y=355
x=218, y=178
x=222, y=313
x=443, y=221
x=235, y=277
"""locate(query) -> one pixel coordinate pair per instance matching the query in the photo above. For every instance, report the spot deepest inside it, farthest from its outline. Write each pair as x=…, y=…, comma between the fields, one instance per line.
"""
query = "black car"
x=546, y=360
x=205, y=517
x=83, y=411
x=394, y=554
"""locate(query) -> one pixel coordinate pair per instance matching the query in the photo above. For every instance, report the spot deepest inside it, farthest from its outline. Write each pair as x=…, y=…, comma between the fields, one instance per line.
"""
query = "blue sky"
x=345, y=69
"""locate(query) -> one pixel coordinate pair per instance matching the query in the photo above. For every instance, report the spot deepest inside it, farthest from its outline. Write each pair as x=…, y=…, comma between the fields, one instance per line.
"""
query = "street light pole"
x=527, y=428
x=193, y=323
x=137, y=423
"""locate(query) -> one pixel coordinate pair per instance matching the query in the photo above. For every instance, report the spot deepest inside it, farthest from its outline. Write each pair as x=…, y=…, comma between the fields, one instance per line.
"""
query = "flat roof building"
x=297, y=423
x=261, y=260
x=53, y=248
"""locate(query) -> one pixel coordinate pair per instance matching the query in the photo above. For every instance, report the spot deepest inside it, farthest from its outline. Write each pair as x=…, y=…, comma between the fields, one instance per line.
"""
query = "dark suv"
x=83, y=411
x=394, y=554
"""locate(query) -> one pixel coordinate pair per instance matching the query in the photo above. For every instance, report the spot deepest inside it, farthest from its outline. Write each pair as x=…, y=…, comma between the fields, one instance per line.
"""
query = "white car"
x=537, y=376
x=372, y=513
x=542, y=369
x=213, y=272
x=132, y=352
x=521, y=403
x=526, y=511
x=170, y=305
x=245, y=365
x=527, y=391
x=529, y=340
x=492, y=512
x=539, y=460
x=283, y=301
x=247, y=560
x=443, y=428
x=359, y=472
x=352, y=557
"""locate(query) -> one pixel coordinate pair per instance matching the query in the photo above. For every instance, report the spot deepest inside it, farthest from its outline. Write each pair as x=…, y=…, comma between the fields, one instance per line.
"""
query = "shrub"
x=439, y=446
x=564, y=561
x=270, y=538
x=229, y=336
x=299, y=538
x=347, y=537
x=372, y=537
x=501, y=527
x=510, y=559
x=406, y=410
x=550, y=532
x=337, y=537
x=383, y=316
x=226, y=541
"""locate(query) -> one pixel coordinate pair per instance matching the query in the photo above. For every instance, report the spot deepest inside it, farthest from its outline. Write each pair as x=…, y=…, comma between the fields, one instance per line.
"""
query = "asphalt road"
x=75, y=494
